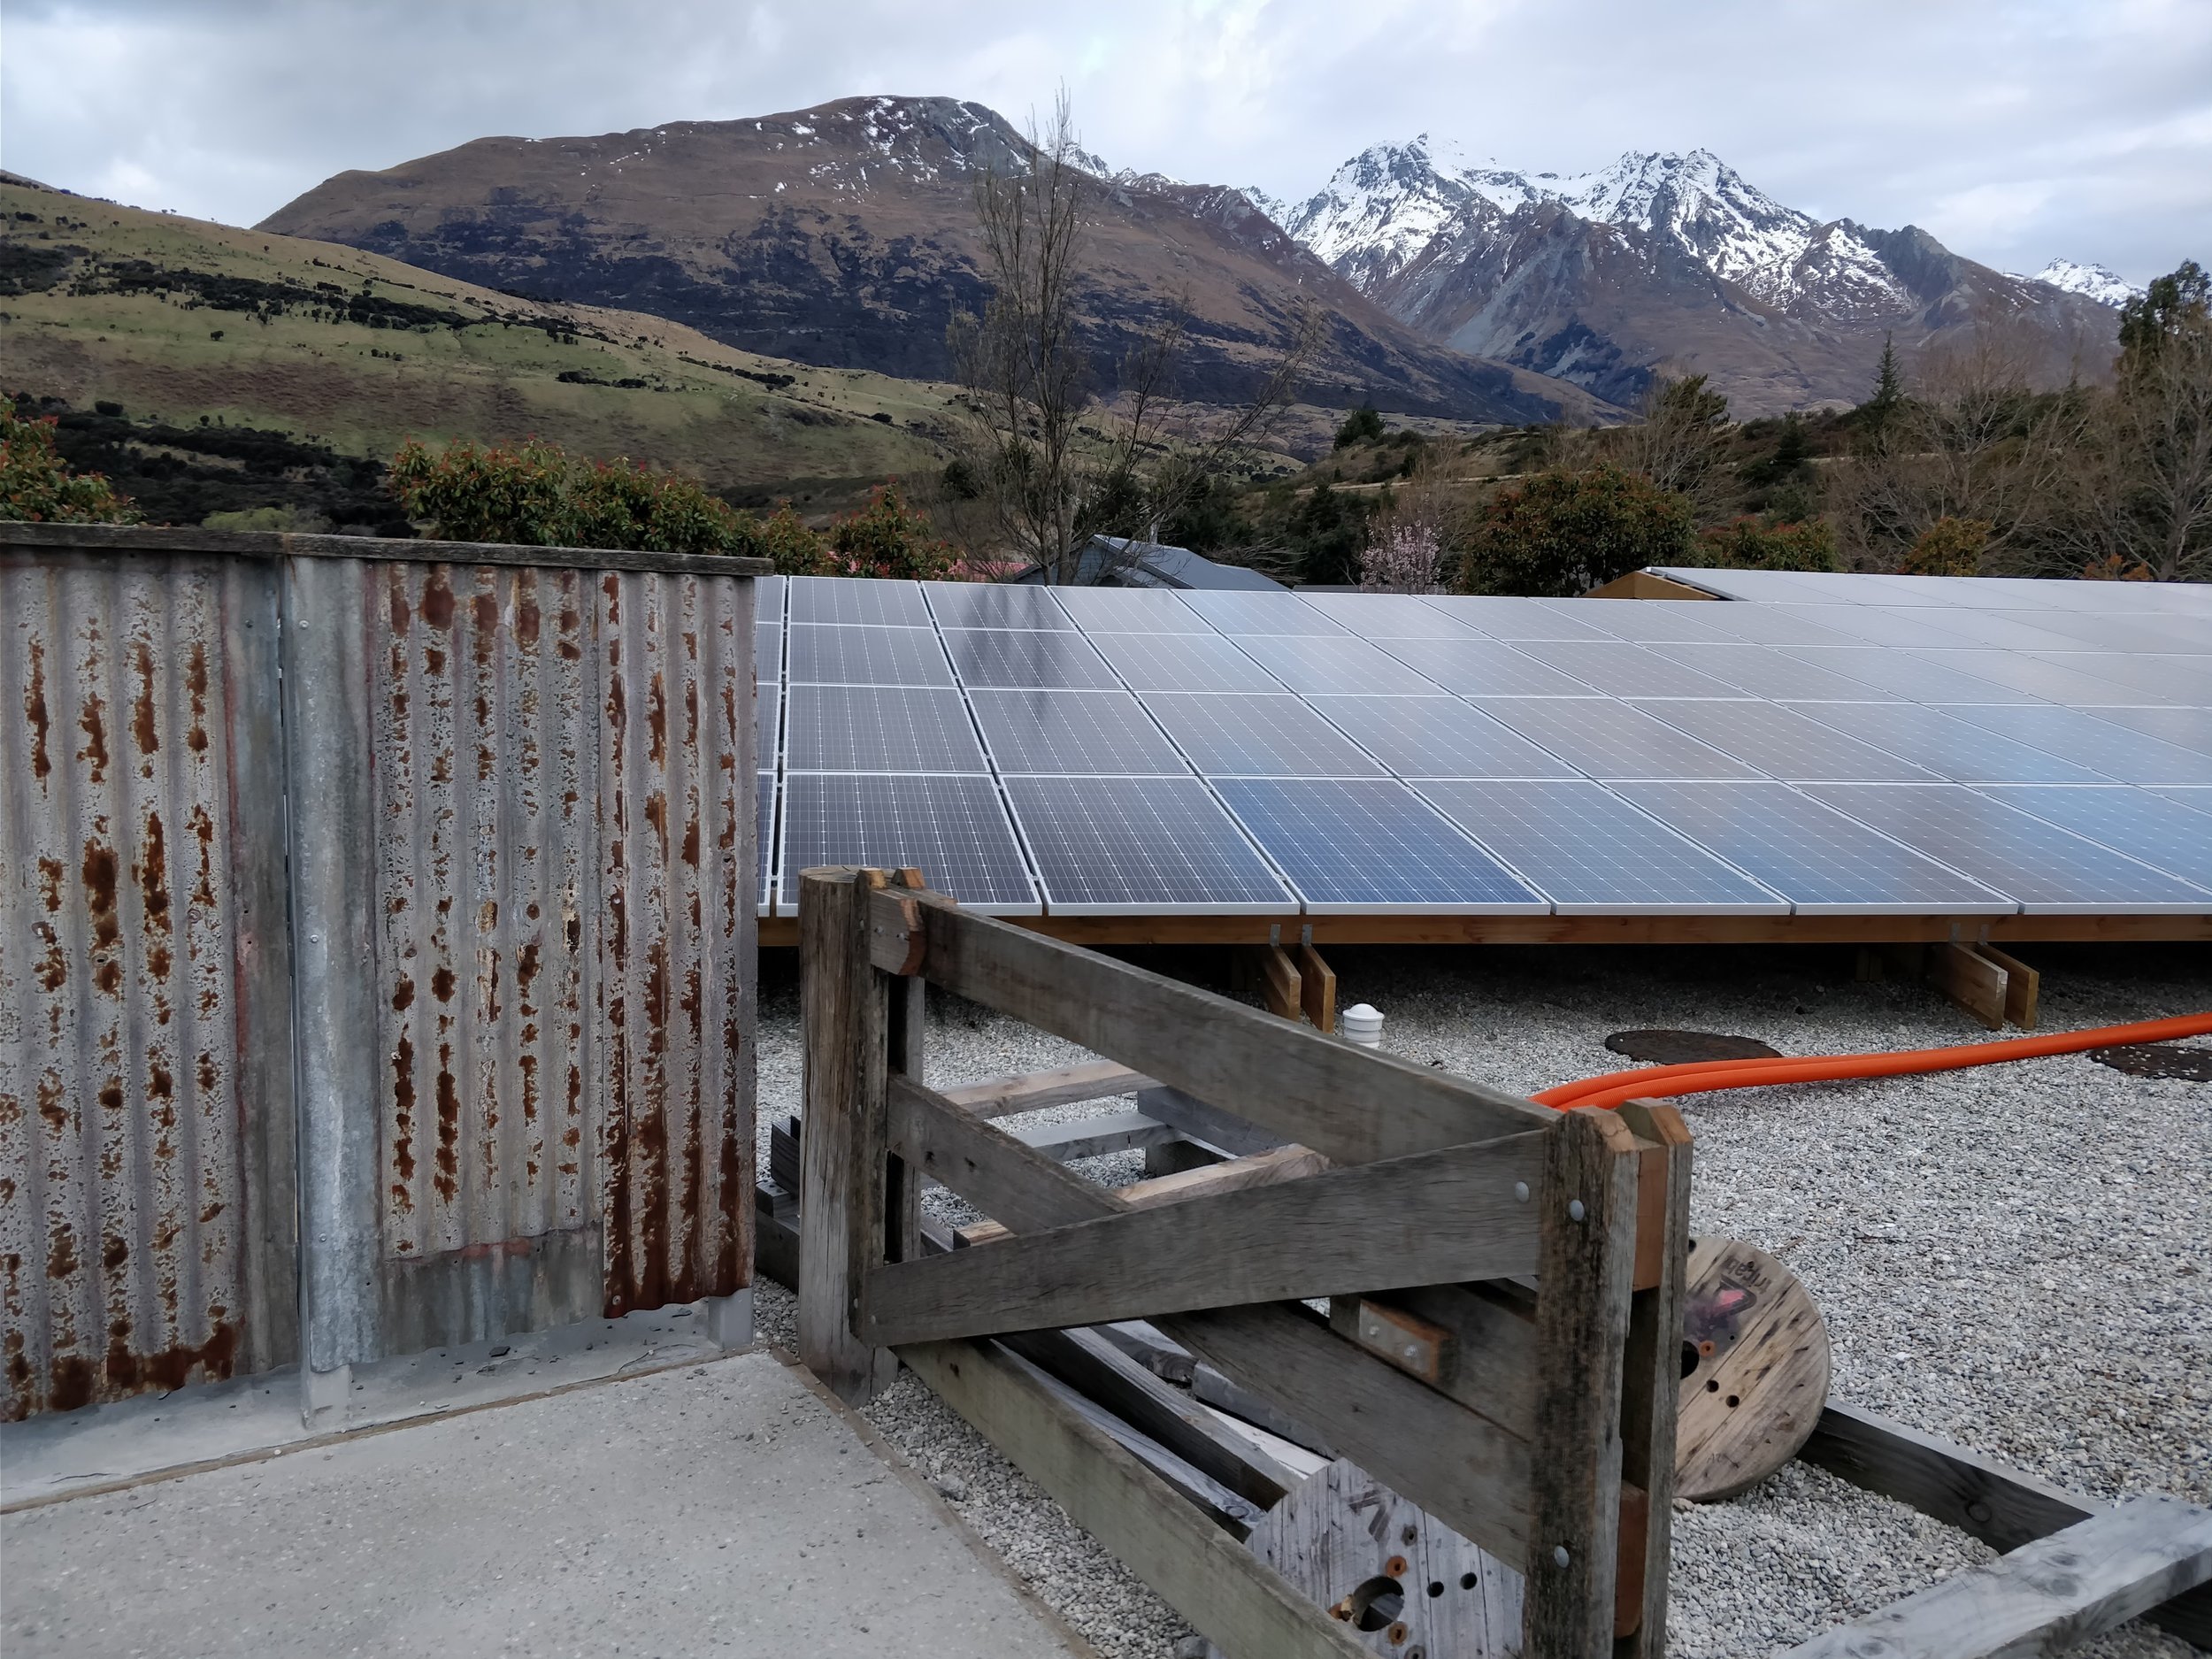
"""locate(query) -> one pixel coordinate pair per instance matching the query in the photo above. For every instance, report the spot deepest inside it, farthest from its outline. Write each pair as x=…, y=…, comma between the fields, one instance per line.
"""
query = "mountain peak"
x=2098, y=282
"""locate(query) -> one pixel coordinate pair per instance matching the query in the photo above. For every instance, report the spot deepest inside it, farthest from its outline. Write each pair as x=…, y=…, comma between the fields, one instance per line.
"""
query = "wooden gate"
x=1546, y=1248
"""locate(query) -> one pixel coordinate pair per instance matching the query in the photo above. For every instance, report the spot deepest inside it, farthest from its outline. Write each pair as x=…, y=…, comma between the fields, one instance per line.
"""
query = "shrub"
x=536, y=494
x=1363, y=426
x=1407, y=559
x=1949, y=547
x=37, y=485
x=889, y=538
x=1747, y=544
x=1563, y=533
x=797, y=550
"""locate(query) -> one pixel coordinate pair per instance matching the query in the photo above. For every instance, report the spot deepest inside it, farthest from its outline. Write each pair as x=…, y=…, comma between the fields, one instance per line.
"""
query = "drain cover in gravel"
x=1754, y=1369
x=2158, y=1059
x=1678, y=1048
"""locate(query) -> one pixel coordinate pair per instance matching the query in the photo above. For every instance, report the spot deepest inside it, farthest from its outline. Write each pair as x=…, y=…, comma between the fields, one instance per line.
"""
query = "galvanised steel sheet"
x=146, y=1149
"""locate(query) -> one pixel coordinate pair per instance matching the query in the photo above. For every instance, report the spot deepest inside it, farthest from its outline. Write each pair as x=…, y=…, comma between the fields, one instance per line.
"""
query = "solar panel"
x=1346, y=666
x=767, y=712
x=1823, y=862
x=1868, y=624
x=1626, y=671
x=2043, y=866
x=1236, y=612
x=1590, y=853
x=1486, y=668
x=1950, y=748
x=1370, y=845
x=764, y=837
x=1763, y=671
x=1784, y=744
x=769, y=593
x=1503, y=617
x=2190, y=728
x=1129, y=610
x=1182, y=662
x=877, y=728
x=2163, y=834
x=1145, y=844
x=1391, y=616
x=1438, y=737
x=1022, y=658
x=2095, y=741
x=767, y=650
x=1610, y=740
x=823, y=655
x=2196, y=797
x=1644, y=622
x=1072, y=732
x=1914, y=679
x=1773, y=624
x=854, y=599
x=953, y=830
x=1244, y=735
x=1787, y=586
x=994, y=605
x=2006, y=633
x=2172, y=677
x=2038, y=678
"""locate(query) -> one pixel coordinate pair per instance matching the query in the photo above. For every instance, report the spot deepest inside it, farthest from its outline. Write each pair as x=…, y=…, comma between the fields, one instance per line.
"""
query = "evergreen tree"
x=1363, y=426
x=1889, y=391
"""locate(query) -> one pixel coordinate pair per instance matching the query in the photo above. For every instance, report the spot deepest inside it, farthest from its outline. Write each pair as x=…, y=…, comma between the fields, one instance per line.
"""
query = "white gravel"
x=2013, y=1256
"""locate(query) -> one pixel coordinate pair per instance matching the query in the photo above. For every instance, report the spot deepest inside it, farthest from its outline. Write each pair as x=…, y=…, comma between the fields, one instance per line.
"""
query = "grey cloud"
x=2011, y=131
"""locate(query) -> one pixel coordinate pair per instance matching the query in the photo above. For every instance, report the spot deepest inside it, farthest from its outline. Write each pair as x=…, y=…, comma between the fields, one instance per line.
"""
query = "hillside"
x=845, y=236
x=178, y=319
x=1676, y=263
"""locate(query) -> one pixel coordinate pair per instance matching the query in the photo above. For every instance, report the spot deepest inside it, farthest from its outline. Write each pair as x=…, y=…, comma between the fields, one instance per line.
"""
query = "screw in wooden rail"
x=898, y=949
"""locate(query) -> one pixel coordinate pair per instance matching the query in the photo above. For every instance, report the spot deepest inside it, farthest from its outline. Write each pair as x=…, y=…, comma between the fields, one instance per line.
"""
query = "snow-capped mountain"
x=2098, y=282
x=1659, y=257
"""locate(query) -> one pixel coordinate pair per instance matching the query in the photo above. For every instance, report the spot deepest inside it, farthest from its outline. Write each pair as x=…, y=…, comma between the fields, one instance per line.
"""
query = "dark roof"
x=1115, y=562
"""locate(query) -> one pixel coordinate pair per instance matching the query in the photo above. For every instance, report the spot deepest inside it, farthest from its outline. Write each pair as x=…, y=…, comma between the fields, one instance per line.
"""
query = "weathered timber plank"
x=1003, y=1096
x=1431, y=1218
x=1279, y=987
x=1317, y=983
x=2003, y=1507
x=846, y=1031
x=1588, y=1199
x=1206, y=1123
x=1089, y=1364
x=2046, y=1596
x=1088, y=1137
x=1197, y=1568
x=1015, y=1184
x=1974, y=982
x=1318, y=1091
x=1269, y=1169
x=2023, y=985
x=1493, y=1346
x=1651, y=1369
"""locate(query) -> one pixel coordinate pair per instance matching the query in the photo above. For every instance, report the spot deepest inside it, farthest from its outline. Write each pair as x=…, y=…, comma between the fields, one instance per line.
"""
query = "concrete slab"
x=102, y=1447
x=721, y=1508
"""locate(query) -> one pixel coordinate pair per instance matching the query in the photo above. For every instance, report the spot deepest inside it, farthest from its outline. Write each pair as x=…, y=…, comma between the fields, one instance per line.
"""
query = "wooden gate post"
x=1652, y=1369
x=847, y=1014
x=1584, y=1280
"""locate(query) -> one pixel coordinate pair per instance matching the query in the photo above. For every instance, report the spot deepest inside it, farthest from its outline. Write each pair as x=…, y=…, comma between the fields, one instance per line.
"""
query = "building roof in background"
x=1112, y=561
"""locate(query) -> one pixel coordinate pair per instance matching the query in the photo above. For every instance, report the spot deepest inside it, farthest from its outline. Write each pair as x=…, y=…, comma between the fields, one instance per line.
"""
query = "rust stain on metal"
x=34, y=712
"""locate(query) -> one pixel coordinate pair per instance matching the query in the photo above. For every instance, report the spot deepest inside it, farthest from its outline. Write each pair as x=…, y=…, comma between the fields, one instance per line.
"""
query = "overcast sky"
x=2014, y=132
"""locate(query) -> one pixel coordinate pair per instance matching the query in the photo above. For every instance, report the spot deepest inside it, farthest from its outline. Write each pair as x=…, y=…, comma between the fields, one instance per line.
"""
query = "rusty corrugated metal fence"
x=504, y=1045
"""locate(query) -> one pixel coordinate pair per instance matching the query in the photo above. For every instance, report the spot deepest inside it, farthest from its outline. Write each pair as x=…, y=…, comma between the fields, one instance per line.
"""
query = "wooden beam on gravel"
x=1003, y=1096
x=1267, y=1169
x=2043, y=1597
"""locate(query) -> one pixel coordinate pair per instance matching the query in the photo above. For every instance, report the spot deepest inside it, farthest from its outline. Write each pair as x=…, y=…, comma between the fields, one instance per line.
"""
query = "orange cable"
x=1701, y=1077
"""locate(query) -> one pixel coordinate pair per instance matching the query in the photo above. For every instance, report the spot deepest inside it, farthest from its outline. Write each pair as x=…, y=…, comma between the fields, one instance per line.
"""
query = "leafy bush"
x=1949, y=547
x=536, y=494
x=1748, y=544
x=1363, y=426
x=1563, y=533
x=889, y=538
x=37, y=485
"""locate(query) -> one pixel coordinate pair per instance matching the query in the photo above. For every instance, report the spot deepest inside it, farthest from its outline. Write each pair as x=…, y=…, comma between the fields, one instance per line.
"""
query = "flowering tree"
x=1406, y=559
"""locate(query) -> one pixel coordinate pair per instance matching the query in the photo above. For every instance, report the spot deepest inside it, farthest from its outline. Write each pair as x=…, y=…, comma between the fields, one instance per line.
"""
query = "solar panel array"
x=1823, y=745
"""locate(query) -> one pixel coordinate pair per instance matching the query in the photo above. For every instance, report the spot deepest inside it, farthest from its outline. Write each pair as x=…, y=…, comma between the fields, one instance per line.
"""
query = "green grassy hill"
x=175, y=319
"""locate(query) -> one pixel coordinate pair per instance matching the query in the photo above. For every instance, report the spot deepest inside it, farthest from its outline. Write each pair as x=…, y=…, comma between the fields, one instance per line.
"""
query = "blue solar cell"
x=1182, y=662
x=1503, y=617
x=1609, y=740
x=1771, y=624
x=2189, y=728
x=767, y=715
x=2172, y=678
x=1644, y=623
x=2163, y=834
x=1590, y=853
x=2038, y=678
x=1823, y=862
x=768, y=650
x=859, y=600
x=1354, y=846
x=1074, y=732
x=2093, y=740
x=877, y=728
x=845, y=656
x=1022, y=658
x=769, y=594
x=1238, y=612
x=2043, y=866
x=764, y=837
x=1763, y=671
x=953, y=830
x=1891, y=629
x=995, y=605
x=1438, y=737
x=1242, y=735
x=1622, y=669
x=1783, y=744
x=1129, y=610
x=1140, y=844
x=1914, y=679
x=1342, y=666
x=1947, y=747
x=1391, y=616
x=1486, y=668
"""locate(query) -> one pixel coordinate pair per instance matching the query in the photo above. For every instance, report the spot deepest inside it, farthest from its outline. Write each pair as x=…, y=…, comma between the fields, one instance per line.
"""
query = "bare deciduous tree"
x=1052, y=465
x=1678, y=444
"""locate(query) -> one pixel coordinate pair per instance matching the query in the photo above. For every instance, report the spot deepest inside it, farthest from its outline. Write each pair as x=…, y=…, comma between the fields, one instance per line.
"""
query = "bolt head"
x=1520, y=1191
x=1559, y=1556
x=1575, y=1208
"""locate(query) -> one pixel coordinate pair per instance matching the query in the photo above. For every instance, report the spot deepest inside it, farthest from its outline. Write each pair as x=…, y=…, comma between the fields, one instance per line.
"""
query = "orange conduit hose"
x=1661, y=1082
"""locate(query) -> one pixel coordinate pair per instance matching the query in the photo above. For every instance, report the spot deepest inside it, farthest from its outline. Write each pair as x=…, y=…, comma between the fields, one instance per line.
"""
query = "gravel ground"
x=2015, y=1257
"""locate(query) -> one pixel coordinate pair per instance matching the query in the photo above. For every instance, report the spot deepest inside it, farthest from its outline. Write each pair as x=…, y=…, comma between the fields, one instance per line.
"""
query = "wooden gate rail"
x=1550, y=1443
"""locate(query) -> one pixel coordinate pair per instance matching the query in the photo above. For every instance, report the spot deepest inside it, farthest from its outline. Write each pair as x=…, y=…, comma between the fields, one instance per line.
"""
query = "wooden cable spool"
x=1756, y=1369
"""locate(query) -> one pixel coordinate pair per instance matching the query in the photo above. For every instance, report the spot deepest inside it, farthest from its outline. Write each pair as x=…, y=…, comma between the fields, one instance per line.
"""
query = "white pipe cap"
x=1362, y=1024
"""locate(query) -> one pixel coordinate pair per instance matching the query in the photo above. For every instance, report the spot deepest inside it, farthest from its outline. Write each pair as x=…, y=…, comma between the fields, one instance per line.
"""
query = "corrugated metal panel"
x=145, y=1072
x=676, y=935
